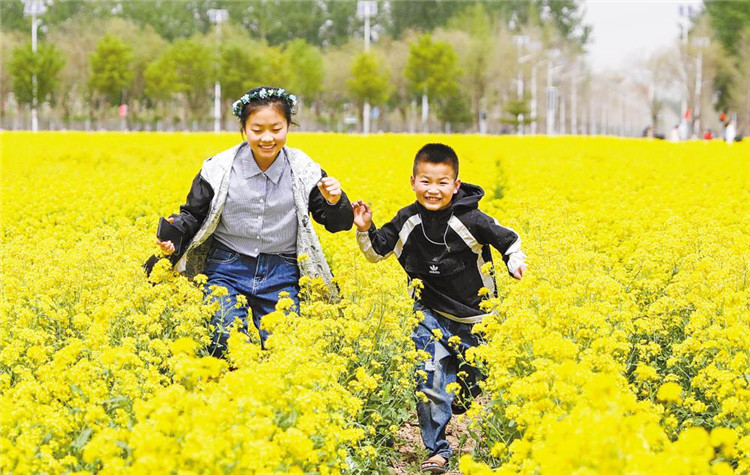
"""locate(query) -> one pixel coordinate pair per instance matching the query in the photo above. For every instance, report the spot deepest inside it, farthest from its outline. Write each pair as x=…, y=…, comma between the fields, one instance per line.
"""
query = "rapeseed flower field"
x=625, y=348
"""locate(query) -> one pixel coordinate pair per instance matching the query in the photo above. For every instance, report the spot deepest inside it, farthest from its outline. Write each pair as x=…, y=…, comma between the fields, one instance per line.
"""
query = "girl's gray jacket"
x=200, y=215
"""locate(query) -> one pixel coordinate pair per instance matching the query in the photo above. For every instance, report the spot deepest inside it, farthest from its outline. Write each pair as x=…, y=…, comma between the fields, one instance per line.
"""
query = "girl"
x=247, y=212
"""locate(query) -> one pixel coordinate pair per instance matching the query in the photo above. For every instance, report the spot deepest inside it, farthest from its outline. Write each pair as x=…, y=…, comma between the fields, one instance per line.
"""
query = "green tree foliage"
x=305, y=76
x=111, y=72
x=171, y=19
x=243, y=66
x=185, y=68
x=731, y=25
x=432, y=68
x=369, y=81
x=476, y=61
x=514, y=109
x=46, y=64
x=563, y=16
x=455, y=110
x=278, y=71
x=423, y=15
x=729, y=19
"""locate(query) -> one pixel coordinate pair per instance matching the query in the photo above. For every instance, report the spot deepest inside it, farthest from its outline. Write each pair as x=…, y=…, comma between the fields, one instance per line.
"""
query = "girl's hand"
x=166, y=246
x=362, y=215
x=518, y=274
x=330, y=188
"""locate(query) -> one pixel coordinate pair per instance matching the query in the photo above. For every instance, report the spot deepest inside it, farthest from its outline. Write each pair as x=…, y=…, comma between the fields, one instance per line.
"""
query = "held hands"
x=330, y=188
x=518, y=274
x=362, y=215
x=166, y=246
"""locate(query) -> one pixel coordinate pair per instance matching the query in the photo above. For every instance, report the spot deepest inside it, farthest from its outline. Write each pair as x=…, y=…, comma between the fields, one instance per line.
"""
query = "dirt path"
x=411, y=452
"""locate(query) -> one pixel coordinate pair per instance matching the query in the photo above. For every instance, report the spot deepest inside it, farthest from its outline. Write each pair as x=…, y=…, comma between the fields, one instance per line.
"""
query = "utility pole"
x=33, y=8
x=218, y=17
x=533, y=98
x=520, y=41
x=551, y=90
x=574, y=101
x=686, y=12
x=700, y=43
x=366, y=9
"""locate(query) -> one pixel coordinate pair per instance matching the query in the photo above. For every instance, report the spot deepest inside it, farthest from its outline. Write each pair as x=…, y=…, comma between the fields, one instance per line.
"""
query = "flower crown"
x=263, y=93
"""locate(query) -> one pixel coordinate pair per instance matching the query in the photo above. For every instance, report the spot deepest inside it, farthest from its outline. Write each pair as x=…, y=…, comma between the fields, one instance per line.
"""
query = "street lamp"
x=699, y=42
x=551, y=90
x=217, y=16
x=33, y=8
x=686, y=13
x=366, y=9
x=520, y=41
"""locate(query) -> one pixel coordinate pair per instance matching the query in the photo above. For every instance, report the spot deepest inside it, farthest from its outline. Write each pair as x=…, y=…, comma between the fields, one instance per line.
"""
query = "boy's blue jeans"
x=441, y=370
x=260, y=279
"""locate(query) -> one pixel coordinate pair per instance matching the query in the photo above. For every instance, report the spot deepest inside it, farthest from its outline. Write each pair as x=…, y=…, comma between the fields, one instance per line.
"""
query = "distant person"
x=708, y=135
x=730, y=132
x=444, y=240
x=247, y=216
x=674, y=136
x=683, y=128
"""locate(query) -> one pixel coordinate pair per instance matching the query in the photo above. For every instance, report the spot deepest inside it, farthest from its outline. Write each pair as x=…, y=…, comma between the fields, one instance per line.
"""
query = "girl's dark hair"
x=278, y=98
x=437, y=153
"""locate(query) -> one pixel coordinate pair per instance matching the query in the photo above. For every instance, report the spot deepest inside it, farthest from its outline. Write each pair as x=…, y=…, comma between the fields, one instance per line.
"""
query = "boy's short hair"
x=436, y=153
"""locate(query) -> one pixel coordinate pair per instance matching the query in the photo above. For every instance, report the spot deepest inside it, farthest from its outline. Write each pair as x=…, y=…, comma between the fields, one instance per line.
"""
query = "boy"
x=443, y=240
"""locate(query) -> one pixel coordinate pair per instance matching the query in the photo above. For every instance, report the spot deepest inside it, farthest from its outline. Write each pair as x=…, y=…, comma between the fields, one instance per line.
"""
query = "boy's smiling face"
x=435, y=184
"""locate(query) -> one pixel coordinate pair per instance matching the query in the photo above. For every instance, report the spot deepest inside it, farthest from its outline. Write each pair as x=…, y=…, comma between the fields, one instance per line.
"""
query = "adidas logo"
x=434, y=269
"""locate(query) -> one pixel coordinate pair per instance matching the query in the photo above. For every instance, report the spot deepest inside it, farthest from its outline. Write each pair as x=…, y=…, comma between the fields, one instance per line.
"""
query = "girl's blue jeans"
x=442, y=368
x=260, y=279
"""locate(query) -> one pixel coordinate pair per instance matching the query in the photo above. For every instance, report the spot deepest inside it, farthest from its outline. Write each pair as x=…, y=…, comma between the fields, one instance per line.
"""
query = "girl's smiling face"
x=266, y=130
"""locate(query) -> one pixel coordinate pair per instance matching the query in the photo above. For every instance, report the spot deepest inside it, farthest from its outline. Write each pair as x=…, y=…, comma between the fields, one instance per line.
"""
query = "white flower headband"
x=264, y=93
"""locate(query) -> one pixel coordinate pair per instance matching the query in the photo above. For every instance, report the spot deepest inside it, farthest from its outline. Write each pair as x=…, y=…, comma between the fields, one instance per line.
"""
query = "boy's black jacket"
x=445, y=249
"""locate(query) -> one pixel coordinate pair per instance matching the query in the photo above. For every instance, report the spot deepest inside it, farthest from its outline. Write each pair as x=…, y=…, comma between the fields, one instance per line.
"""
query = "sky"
x=626, y=30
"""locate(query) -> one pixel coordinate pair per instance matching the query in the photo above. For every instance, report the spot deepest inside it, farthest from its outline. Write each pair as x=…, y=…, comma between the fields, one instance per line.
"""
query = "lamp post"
x=33, y=8
x=551, y=90
x=217, y=16
x=533, y=47
x=686, y=13
x=366, y=9
x=520, y=41
x=700, y=42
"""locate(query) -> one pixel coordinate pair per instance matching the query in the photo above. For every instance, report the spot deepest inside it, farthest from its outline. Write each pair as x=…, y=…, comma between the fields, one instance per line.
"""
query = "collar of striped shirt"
x=250, y=167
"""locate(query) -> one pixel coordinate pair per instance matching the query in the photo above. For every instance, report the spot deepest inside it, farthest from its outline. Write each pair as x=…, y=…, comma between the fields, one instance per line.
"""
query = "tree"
x=335, y=97
x=731, y=25
x=432, y=70
x=562, y=17
x=515, y=109
x=729, y=19
x=45, y=64
x=455, y=112
x=423, y=15
x=242, y=67
x=739, y=89
x=369, y=82
x=111, y=71
x=9, y=41
x=146, y=45
x=305, y=62
x=477, y=56
x=184, y=69
x=396, y=54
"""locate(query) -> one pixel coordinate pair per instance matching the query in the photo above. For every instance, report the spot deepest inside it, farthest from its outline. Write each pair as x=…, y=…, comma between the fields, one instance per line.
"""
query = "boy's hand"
x=330, y=188
x=362, y=215
x=518, y=274
x=166, y=246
